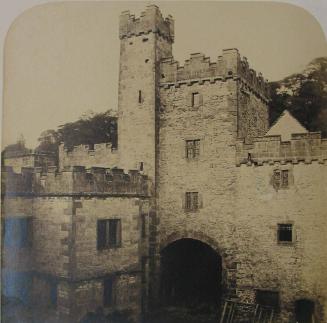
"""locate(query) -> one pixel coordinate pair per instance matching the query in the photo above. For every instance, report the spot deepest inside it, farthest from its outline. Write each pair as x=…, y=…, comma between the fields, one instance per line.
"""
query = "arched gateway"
x=191, y=274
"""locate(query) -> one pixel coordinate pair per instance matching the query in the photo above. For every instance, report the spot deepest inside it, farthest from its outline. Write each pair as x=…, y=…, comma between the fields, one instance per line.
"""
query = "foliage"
x=18, y=147
x=307, y=102
x=92, y=128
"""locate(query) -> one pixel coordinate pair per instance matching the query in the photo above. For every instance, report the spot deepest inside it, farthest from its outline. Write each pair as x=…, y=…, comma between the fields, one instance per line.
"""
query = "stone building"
x=213, y=205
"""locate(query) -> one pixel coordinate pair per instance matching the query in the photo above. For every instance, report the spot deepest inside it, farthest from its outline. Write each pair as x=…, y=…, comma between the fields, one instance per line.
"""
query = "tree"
x=18, y=147
x=91, y=128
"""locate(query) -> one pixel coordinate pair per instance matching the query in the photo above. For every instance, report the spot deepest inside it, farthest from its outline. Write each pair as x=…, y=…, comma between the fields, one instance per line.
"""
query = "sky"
x=61, y=59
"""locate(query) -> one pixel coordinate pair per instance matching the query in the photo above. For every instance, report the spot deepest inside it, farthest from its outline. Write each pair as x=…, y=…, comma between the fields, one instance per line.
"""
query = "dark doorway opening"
x=191, y=277
x=304, y=311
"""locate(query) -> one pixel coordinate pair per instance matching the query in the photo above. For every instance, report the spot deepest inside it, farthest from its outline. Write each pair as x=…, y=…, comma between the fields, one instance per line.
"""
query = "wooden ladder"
x=227, y=315
x=263, y=314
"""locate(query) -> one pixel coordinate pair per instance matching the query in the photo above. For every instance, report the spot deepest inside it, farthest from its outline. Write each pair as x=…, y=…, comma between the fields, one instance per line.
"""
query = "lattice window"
x=192, y=148
x=108, y=234
x=191, y=201
x=285, y=232
x=281, y=178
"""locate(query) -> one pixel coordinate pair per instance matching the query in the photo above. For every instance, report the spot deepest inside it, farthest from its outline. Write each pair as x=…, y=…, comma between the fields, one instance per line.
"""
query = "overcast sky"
x=62, y=59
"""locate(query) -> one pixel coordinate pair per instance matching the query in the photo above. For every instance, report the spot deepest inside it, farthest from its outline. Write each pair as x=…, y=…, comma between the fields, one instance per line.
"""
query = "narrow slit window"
x=195, y=99
x=140, y=96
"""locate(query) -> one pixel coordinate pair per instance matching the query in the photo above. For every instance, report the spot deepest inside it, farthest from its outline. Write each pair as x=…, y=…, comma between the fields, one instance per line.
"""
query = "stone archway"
x=191, y=273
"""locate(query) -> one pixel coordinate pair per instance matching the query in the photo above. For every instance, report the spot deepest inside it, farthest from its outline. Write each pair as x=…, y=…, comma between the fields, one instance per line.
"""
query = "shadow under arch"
x=191, y=271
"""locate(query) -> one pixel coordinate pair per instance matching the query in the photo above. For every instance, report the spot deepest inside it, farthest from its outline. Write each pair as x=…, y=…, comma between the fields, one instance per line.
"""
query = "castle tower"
x=144, y=42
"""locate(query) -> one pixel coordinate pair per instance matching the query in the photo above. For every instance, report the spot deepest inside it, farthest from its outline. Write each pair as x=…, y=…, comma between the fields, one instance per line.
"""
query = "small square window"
x=285, y=233
x=108, y=234
x=192, y=148
x=191, y=201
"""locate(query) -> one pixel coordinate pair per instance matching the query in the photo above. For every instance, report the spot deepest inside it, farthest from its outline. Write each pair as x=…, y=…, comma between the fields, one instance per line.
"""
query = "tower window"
x=140, y=96
x=145, y=40
x=108, y=234
x=195, y=99
x=191, y=201
x=192, y=148
x=285, y=233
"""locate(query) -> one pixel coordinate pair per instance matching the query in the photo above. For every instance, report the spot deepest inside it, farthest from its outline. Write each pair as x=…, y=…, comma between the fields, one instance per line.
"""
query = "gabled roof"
x=285, y=126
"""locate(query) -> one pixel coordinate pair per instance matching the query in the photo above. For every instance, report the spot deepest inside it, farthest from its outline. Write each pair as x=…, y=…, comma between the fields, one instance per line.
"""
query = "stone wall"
x=144, y=42
x=101, y=155
x=228, y=65
x=212, y=174
x=150, y=20
x=306, y=147
x=19, y=161
x=63, y=257
x=124, y=258
x=296, y=270
x=239, y=207
x=74, y=180
x=253, y=117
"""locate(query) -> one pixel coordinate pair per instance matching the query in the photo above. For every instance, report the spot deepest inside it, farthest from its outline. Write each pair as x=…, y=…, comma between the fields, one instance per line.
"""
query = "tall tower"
x=144, y=42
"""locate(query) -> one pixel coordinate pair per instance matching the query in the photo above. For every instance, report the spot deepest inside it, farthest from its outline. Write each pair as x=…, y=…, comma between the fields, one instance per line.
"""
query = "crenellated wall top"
x=150, y=20
x=306, y=147
x=75, y=180
x=199, y=68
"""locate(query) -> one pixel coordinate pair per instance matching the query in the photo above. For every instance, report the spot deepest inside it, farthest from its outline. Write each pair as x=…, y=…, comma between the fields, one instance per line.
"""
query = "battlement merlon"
x=200, y=68
x=305, y=147
x=102, y=154
x=75, y=180
x=150, y=20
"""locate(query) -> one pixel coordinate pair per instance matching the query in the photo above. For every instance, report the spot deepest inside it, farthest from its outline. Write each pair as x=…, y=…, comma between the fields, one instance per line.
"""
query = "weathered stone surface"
x=239, y=203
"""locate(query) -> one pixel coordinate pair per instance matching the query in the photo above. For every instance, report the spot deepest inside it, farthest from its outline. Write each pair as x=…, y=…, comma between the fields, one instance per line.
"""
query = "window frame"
x=192, y=148
x=192, y=201
x=105, y=239
x=281, y=178
x=285, y=224
x=196, y=99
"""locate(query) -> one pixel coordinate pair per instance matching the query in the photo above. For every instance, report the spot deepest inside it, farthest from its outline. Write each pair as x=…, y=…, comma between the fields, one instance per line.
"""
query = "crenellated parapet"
x=150, y=20
x=75, y=180
x=305, y=148
x=100, y=155
x=199, y=69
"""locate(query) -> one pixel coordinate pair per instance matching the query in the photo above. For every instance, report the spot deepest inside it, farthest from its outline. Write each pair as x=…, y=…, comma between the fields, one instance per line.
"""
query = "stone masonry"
x=247, y=184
